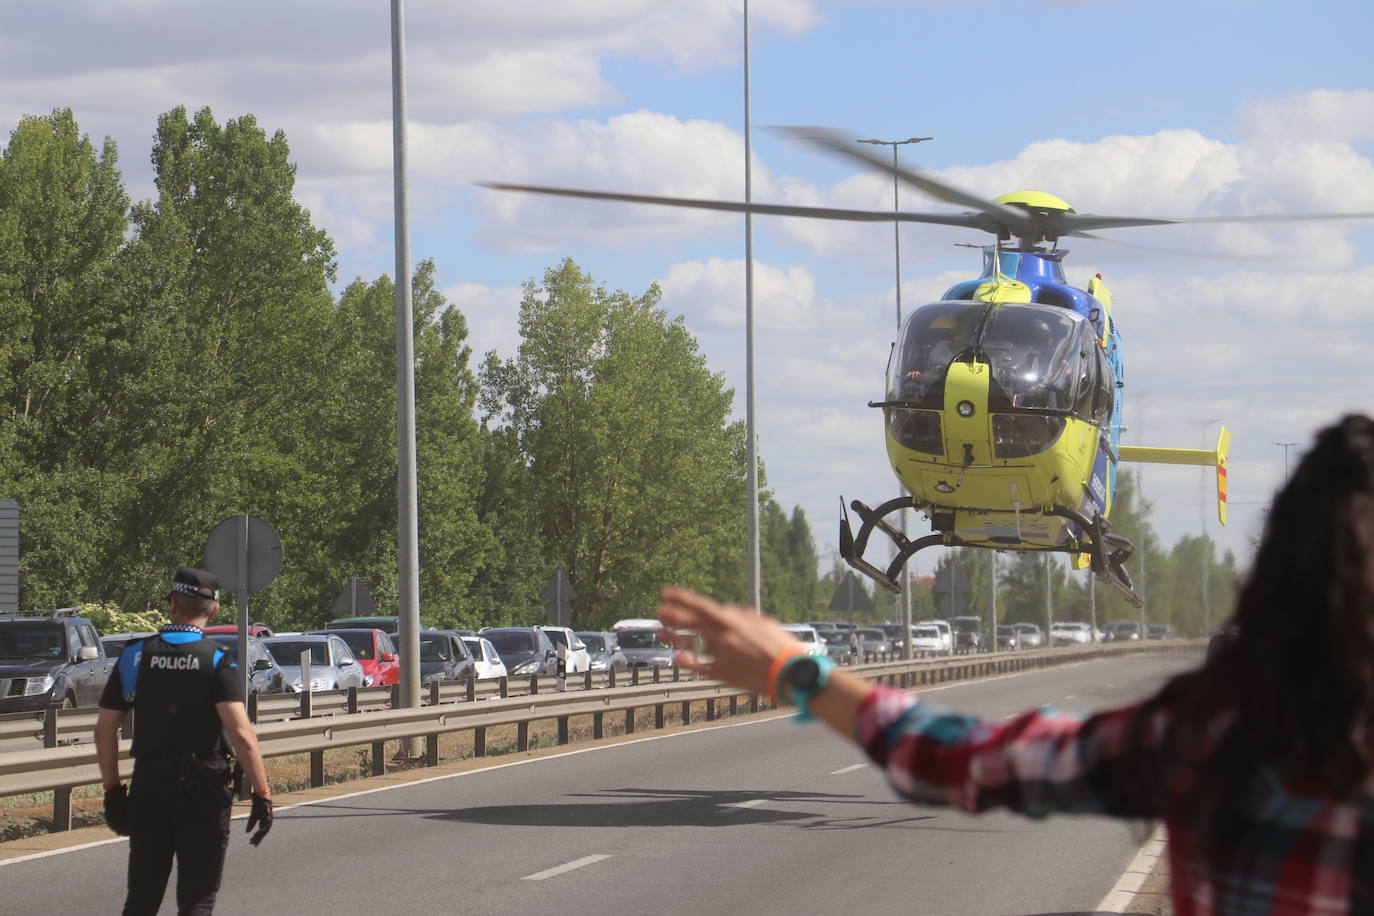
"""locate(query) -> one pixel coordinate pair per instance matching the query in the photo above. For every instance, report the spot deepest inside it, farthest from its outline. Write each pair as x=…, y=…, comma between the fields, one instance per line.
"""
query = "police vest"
x=169, y=680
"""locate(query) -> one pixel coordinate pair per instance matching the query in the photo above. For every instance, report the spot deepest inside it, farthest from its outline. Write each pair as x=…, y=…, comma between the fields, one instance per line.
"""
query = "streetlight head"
x=917, y=139
x=876, y=142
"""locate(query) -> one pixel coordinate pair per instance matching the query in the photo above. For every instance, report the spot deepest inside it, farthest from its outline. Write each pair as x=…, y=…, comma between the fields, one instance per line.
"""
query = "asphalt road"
x=759, y=818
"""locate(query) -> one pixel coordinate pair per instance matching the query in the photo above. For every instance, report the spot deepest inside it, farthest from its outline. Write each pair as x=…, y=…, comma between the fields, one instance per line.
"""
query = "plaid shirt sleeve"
x=1036, y=763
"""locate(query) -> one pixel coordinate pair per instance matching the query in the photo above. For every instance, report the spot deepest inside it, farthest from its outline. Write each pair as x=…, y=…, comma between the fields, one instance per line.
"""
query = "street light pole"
x=1285, y=446
x=897, y=259
x=750, y=427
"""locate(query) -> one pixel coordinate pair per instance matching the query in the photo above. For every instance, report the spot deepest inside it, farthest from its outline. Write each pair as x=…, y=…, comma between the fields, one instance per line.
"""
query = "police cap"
x=197, y=582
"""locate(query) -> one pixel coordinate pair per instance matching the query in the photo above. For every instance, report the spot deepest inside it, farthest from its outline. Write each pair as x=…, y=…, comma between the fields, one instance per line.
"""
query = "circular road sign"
x=244, y=553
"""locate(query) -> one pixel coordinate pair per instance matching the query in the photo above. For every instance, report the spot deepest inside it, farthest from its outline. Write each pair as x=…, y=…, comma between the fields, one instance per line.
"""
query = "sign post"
x=849, y=597
x=558, y=598
x=245, y=554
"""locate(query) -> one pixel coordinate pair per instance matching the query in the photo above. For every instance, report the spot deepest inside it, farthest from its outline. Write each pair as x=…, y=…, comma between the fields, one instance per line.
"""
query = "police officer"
x=185, y=691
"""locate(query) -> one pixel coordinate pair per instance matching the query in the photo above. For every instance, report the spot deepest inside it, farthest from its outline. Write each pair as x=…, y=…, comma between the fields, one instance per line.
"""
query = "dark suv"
x=52, y=659
x=968, y=633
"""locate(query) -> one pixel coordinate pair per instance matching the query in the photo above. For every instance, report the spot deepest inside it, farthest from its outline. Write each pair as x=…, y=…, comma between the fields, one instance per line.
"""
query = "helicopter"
x=1003, y=402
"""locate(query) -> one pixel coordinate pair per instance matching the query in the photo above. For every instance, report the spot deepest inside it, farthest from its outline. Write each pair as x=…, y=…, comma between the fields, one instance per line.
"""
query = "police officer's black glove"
x=117, y=809
x=261, y=817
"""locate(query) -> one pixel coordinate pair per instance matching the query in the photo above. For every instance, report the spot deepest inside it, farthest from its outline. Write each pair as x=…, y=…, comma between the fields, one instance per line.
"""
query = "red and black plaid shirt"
x=1299, y=851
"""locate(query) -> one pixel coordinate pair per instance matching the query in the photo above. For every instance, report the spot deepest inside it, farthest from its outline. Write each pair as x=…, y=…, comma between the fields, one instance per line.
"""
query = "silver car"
x=332, y=664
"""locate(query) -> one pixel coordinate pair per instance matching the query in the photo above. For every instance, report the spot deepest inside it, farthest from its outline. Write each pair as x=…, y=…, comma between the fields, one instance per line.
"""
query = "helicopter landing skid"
x=852, y=548
x=1108, y=552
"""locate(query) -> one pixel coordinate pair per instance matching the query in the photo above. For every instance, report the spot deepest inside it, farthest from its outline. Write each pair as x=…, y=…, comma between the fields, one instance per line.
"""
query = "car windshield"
x=639, y=639
x=594, y=643
x=434, y=649
x=511, y=642
x=803, y=635
x=360, y=643
x=41, y=640
x=1006, y=631
x=873, y=635
x=289, y=653
x=836, y=638
x=925, y=633
x=559, y=637
x=965, y=625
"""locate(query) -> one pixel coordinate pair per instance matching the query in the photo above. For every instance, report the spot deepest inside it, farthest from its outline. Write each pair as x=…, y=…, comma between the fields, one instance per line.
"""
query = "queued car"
x=387, y=624
x=645, y=647
x=927, y=640
x=894, y=636
x=374, y=650
x=837, y=642
x=808, y=635
x=1159, y=631
x=946, y=632
x=1120, y=631
x=486, y=661
x=604, y=651
x=444, y=657
x=259, y=630
x=1008, y=637
x=578, y=658
x=332, y=665
x=968, y=633
x=116, y=643
x=265, y=675
x=525, y=650
x=636, y=623
x=1070, y=633
x=1032, y=637
x=873, y=641
x=52, y=659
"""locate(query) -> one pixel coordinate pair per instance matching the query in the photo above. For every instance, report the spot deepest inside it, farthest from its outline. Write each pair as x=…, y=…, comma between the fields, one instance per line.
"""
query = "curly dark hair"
x=1291, y=689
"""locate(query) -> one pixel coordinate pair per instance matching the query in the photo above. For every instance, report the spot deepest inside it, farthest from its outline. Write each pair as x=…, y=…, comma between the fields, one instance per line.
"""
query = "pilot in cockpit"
x=941, y=348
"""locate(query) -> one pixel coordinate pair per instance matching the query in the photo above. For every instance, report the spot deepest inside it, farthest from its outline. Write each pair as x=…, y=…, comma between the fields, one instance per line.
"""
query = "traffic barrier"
x=60, y=769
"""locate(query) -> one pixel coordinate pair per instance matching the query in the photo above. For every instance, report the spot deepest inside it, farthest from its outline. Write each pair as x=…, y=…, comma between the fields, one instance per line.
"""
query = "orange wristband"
x=776, y=668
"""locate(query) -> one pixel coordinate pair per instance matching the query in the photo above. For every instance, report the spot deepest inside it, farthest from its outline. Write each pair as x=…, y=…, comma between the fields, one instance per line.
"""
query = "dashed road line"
x=849, y=769
x=565, y=867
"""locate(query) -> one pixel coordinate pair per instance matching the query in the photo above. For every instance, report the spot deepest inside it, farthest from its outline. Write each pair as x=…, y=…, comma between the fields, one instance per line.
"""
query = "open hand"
x=740, y=643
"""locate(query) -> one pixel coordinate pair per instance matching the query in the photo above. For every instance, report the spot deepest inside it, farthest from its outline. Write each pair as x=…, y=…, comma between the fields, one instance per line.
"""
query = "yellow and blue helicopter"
x=1003, y=408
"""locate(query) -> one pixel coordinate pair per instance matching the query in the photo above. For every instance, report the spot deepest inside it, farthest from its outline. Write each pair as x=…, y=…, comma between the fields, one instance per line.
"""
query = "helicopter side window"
x=1105, y=398
x=1087, y=377
x=930, y=339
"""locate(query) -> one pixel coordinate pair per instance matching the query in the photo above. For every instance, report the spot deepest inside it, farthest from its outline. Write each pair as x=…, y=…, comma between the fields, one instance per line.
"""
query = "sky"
x=1139, y=107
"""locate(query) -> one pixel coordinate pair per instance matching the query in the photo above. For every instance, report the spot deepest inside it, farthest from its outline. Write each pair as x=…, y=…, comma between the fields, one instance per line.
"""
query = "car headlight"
x=526, y=667
x=38, y=685
x=598, y=665
x=367, y=680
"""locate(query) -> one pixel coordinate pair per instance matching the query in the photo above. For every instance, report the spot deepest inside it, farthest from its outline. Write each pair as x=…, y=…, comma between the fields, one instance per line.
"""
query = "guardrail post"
x=307, y=704
x=316, y=769
x=587, y=679
x=686, y=713
x=479, y=741
x=352, y=705
x=610, y=677
x=634, y=676
x=657, y=676
x=598, y=725
x=395, y=696
x=562, y=730
x=378, y=758
x=503, y=689
x=61, y=798
x=677, y=673
x=629, y=721
x=472, y=689
x=753, y=702
x=658, y=715
x=522, y=736
x=534, y=684
x=252, y=708
x=433, y=693
x=710, y=710
x=431, y=750
x=734, y=706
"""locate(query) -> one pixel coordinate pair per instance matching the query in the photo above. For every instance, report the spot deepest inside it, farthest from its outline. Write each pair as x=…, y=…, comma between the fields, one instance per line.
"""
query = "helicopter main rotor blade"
x=1273, y=218
x=1019, y=221
x=966, y=220
x=1075, y=223
x=1205, y=255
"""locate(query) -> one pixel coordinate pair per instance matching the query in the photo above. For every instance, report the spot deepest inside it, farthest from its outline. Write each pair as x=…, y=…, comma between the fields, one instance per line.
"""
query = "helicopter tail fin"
x=1216, y=458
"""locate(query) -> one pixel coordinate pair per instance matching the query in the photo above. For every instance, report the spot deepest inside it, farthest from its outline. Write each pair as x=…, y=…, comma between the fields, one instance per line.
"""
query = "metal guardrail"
x=60, y=769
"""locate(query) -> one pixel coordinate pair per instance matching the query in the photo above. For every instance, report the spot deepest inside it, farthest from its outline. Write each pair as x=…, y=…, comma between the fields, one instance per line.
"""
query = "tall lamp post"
x=1285, y=446
x=897, y=253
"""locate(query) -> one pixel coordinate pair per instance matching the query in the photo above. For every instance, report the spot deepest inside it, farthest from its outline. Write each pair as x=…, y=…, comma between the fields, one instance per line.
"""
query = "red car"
x=374, y=651
x=257, y=630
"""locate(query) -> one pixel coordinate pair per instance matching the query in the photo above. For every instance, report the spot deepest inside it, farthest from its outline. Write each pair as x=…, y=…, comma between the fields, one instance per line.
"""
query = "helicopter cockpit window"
x=1034, y=352
x=929, y=340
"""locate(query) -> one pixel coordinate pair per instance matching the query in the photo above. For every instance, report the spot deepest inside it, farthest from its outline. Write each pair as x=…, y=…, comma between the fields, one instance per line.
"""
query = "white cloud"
x=784, y=299
x=1334, y=115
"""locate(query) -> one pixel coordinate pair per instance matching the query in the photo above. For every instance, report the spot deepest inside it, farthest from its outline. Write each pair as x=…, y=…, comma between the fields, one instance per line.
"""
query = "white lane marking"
x=1072, y=696
x=565, y=867
x=849, y=769
x=751, y=803
x=1119, y=898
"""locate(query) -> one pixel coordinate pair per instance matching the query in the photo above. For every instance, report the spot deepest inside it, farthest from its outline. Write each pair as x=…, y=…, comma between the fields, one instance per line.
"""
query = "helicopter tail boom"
x=1216, y=458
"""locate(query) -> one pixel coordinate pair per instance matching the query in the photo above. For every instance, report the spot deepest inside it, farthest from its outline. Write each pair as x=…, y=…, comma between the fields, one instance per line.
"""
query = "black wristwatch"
x=802, y=678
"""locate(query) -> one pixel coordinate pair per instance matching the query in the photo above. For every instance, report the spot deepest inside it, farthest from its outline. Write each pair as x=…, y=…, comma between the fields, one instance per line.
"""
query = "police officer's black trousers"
x=177, y=807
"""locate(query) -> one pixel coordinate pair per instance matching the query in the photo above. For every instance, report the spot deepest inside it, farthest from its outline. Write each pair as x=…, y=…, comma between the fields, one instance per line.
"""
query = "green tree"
x=627, y=437
x=63, y=215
